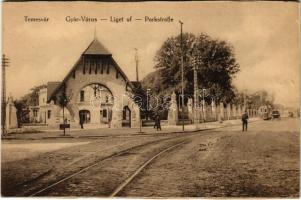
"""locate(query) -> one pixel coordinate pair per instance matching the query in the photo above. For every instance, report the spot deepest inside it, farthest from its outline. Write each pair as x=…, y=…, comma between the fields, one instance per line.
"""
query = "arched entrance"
x=126, y=117
x=98, y=100
x=84, y=116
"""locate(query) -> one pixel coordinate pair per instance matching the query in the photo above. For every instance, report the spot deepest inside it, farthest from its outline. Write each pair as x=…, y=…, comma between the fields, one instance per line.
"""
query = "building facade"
x=95, y=92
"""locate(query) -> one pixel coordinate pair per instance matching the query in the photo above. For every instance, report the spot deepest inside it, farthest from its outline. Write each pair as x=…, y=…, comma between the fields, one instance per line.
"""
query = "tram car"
x=265, y=112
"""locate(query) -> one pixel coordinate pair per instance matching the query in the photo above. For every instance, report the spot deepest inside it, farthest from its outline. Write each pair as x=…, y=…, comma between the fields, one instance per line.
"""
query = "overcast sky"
x=264, y=36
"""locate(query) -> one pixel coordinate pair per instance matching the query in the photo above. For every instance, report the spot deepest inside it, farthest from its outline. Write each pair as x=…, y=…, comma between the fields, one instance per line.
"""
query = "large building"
x=96, y=92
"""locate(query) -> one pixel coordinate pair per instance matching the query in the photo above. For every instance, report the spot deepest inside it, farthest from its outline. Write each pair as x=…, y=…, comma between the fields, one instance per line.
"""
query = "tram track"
x=39, y=187
x=42, y=191
x=143, y=166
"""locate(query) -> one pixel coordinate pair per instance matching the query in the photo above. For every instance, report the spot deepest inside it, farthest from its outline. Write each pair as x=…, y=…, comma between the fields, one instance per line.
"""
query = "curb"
x=223, y=125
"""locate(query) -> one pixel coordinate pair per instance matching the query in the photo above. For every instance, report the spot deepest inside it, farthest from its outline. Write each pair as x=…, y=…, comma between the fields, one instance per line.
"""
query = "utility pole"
x=5, y=62
x=203, y=106
x=195, y=90
x=137, y=79
x=182, y=67
x=137, y=62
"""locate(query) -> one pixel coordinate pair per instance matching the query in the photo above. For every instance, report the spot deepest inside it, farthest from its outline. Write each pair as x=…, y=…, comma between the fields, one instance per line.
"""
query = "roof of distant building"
x=51, y=86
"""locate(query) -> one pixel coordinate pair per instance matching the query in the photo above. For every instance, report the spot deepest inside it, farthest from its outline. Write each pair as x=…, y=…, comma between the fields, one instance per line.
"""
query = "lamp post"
x=195, y=88
x=147, y=102
x=203, y=106
x=182, y=67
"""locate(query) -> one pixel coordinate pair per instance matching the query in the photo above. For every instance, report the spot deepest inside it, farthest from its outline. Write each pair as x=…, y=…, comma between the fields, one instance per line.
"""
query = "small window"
x=82, y=95
x=104, y=113
x=96, y=66
x=107, y=99
x=49, y=114
x=108, y=67
x=102, y=67
x=90, y=66
x=73, y=74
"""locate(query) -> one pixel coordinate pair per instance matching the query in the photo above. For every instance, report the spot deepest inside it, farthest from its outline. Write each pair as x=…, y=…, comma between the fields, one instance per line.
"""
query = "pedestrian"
x=81, y=122
x=109, y=118
x=244, y=119
x=158, y=123
x=155, y=124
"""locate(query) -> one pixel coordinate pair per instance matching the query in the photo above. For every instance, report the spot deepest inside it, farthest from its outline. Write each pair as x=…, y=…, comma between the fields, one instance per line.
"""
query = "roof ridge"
x=96, y=48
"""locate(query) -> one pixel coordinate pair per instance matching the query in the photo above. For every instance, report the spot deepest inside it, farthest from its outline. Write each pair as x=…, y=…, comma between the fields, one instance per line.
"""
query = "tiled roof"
x=51, y=86
x=96, y=48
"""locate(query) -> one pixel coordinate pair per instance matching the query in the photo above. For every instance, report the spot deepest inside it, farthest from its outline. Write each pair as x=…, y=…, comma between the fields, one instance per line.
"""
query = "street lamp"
x=203, y=106
x=147, y=102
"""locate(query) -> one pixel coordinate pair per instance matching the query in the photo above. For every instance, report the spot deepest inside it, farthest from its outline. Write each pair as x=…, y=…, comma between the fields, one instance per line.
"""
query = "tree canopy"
x=214, y=59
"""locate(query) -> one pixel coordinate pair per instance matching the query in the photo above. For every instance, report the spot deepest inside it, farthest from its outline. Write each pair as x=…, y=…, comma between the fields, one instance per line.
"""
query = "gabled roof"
x=51, y=87
x=96, y=48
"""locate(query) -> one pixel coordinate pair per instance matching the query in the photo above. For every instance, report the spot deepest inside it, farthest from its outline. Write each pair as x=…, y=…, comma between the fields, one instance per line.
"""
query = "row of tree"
x=216, y=67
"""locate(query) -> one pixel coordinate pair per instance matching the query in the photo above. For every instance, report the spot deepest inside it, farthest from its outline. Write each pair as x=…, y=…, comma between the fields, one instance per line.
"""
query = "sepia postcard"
x=150, y=99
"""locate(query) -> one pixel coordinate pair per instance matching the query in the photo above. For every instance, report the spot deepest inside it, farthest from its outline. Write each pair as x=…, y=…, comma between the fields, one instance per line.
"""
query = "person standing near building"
x=244, y=119
x=158, y=122
x=81, y=122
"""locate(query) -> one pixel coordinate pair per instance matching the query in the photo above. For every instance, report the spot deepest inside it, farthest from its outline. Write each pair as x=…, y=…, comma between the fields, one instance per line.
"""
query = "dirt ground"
x=225, y=162
x=58, y=158
x=263, y=162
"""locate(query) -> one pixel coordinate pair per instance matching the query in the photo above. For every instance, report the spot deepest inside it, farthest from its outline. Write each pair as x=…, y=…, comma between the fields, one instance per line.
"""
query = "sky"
x=265, y=37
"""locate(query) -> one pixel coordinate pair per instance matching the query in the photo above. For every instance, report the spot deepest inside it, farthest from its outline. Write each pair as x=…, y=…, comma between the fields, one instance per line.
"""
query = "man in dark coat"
x=158, y=123
x=81, y=122
x=244, y=119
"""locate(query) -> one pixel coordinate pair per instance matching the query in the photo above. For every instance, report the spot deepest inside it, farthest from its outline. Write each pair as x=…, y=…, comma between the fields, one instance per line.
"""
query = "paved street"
x=211, y=163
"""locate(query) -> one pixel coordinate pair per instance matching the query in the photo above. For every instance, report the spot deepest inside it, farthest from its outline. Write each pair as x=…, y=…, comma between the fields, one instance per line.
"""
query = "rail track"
x=129, y=179
x=43, y=191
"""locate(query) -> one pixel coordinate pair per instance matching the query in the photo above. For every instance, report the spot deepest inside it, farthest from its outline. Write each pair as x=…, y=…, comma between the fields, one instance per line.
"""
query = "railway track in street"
x=84, y=164
x=173, y=145
x=129, y=179
x=167, y=145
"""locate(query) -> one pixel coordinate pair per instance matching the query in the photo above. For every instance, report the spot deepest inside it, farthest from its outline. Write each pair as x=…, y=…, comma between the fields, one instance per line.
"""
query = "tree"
x=254, y=100
x=213, y=58
x=63, y=101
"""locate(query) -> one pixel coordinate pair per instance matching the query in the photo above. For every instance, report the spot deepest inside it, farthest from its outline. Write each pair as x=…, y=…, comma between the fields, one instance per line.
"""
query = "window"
x=108, y=68
x=102, y=66
x=49, y=114
x=82, y=95
x=90, y=66
x=96, y=66
x=84, y=65
x=104, y=113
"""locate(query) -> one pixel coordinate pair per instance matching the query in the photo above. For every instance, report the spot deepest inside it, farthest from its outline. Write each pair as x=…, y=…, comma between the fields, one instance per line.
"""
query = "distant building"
x=97, y=91
x=42, y=112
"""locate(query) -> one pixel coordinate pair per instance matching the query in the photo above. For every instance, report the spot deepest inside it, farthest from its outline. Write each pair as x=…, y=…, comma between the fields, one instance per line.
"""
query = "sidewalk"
x=121, y=132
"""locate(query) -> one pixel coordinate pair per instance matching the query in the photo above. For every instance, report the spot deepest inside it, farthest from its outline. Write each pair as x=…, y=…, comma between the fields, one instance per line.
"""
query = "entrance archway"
x=126, y=117
x=85, y=116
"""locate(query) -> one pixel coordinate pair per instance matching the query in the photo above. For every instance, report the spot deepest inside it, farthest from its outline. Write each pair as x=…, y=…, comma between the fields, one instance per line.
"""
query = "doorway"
x=84, y=116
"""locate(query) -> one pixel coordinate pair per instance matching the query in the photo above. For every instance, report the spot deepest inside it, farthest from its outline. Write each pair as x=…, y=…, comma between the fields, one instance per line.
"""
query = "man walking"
x=158, y=123
x=81, y=122
x=244, y=119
